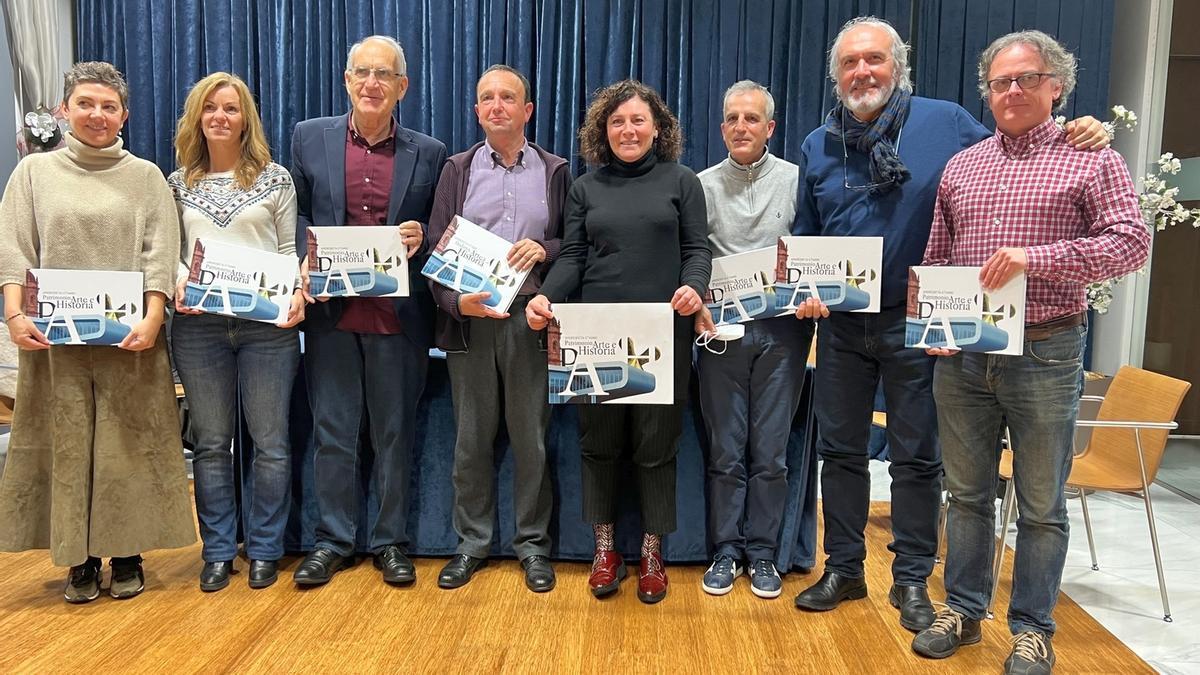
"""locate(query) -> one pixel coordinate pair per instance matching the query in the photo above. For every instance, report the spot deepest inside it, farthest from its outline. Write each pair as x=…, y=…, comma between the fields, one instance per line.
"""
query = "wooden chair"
x=1123, y=455
x=6, y=410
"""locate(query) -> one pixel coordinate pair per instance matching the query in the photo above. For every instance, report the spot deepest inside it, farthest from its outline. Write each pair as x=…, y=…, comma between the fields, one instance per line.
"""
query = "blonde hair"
x=191, y=148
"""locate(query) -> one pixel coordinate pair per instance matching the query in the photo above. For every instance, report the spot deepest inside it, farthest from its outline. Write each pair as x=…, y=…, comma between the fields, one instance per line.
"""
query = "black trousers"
x=650, y=435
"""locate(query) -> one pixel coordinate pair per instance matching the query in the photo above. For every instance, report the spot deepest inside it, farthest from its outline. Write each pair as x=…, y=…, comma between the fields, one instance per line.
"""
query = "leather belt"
x=1035, y=332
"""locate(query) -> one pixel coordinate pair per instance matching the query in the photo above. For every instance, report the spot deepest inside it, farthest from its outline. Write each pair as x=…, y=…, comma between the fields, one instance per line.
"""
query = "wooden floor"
x=357, y=624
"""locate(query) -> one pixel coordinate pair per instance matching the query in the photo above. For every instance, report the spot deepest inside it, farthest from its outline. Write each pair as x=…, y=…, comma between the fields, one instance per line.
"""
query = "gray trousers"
x=749, y=395
x=502, y=375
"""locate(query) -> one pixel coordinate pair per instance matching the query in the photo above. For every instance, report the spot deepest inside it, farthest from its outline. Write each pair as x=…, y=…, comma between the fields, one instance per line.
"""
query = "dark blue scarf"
x=875, y=139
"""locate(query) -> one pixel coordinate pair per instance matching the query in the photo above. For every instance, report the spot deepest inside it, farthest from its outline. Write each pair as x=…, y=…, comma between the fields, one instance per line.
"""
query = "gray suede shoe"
x=83, y=583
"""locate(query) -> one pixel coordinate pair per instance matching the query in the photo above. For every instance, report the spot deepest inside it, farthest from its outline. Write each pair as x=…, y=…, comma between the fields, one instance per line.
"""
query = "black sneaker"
x=83, y=582
x=128, y=580
x=1032, y=654
x=949, y=631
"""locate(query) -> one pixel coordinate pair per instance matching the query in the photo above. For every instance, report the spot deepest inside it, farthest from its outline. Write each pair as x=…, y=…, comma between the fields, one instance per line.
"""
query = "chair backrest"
x=1136, y=395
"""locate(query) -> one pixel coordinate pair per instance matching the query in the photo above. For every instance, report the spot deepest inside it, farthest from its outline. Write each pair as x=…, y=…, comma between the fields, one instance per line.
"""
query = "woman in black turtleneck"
x=635, y=231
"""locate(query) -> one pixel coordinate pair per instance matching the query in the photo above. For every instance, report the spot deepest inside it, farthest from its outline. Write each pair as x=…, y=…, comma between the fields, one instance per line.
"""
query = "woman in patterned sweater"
x=228, y=189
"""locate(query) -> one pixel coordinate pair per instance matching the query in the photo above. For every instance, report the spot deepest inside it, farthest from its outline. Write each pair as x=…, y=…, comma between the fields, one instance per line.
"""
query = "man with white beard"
x=873, y=169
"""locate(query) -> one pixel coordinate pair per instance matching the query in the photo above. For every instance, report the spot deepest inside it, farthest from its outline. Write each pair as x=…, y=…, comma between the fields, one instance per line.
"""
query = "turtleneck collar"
x=752, y=171
x=94, y=159
x=638, y=167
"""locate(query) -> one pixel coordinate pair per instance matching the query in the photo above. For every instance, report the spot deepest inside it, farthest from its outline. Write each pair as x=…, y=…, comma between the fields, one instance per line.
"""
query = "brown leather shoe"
x=608, y=570
x=652, y=579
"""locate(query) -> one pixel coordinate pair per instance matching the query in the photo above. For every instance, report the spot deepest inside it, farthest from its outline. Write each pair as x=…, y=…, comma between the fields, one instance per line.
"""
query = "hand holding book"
x=538, y=312
x=525, y=254
x=411, y=235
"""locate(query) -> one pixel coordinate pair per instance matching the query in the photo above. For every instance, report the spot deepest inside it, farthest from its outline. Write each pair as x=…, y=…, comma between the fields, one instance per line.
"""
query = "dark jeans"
x=222, y=361
x=1038, y=394
x=356, y=380
x=854, y=352
x=749, y=394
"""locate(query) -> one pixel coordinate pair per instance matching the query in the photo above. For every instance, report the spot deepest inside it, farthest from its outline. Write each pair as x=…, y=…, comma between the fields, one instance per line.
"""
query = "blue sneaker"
x=764, y=579
x=718, y=580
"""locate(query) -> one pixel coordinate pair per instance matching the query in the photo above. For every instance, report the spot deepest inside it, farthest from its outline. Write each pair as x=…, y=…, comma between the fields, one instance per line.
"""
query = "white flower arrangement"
x=1156, y=198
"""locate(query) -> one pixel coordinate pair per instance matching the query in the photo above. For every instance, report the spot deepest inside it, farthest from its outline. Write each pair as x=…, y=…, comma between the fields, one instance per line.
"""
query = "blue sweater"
x=934, y=132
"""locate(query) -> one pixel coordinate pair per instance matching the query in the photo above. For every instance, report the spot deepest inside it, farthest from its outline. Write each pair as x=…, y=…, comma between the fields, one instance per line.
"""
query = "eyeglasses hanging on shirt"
x=846, y=157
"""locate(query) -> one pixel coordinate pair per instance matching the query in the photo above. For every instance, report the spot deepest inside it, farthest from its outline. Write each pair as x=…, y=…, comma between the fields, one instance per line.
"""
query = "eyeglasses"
x=846, y=156
x=1025, y=82
x=382, y=74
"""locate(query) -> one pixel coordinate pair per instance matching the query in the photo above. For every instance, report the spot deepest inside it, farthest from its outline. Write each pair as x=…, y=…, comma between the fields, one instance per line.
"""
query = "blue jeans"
x=221, y=360
x=1038, y=394
x=749, y=395
x=854, y=353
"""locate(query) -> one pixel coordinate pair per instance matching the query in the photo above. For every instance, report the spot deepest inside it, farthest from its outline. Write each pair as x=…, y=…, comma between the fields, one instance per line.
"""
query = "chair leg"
x=1087, y=525
x=1162, y=581
x=942, y=517
x=1006, y=515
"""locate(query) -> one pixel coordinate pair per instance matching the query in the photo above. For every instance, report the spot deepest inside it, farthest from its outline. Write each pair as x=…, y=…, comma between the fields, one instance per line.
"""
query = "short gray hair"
x=745, y=87
x=96, y=72
x=1060, y=62
x=401, y=66
x=901, y=72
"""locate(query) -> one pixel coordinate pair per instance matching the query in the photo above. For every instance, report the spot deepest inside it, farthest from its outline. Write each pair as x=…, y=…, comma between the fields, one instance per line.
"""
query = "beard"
x=868, y=101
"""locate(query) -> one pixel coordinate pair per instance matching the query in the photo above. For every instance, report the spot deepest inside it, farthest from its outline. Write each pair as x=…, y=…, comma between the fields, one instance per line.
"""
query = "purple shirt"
x=508, y=201
x=368, y=191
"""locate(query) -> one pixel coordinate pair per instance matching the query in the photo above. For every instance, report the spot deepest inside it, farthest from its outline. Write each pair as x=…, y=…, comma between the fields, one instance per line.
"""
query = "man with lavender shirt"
x=516, y=190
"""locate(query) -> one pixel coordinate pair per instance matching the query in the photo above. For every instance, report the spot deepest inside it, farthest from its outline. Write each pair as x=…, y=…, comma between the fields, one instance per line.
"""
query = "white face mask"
x=724, y=334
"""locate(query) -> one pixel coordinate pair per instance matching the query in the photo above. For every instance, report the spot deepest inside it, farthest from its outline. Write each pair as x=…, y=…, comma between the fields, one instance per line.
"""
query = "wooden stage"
x=357, y=624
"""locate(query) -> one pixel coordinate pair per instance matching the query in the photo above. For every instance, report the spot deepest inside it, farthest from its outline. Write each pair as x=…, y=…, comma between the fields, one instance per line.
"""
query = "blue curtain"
x=952, y=33
x=292, y=55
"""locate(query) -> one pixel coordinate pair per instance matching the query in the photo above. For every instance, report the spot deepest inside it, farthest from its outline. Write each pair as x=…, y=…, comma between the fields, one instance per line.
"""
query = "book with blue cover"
x=844, y=272
x=240, y=281
x=742, y=287
x=470, y=259
x=948, y=308
x=83, y=307
x=611, y=353
x=356, y=260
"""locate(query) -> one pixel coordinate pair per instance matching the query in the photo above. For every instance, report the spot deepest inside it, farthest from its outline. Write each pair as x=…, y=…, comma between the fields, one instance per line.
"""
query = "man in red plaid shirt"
x=1022, y=201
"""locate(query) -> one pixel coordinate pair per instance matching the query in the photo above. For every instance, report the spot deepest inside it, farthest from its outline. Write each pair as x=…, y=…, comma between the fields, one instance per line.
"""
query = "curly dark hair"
x=593, y=134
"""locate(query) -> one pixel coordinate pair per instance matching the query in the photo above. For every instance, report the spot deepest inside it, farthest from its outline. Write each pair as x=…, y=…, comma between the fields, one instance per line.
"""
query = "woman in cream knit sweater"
x=95, y=465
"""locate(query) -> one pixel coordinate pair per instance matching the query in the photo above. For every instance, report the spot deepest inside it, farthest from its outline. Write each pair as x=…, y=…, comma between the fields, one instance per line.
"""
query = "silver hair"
x=401, y=66
x=96, y=72
x=745, y=87
x=1056, y=58
x=901, y=73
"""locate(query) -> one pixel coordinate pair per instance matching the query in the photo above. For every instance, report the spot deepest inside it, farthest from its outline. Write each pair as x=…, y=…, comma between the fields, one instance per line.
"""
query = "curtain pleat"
x=292, y=54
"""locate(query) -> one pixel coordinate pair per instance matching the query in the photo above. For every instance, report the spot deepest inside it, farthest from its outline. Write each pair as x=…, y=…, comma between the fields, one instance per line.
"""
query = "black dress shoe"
x=830, y=591
x=263, y=573
x=396, y=567
x=215, y=575
x=916, y=611
x=539, y=575
x=459, y=570
x=318, y=567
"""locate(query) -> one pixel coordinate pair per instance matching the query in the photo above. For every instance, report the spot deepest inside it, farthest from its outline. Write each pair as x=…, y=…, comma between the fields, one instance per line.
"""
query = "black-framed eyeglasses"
x=382, y=74
x=846, y=157
x=1025, y=82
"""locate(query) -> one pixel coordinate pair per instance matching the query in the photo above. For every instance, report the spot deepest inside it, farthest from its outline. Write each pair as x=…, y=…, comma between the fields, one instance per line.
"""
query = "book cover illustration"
x=842, y=271
x=742, y=287
x=611, y=353
x=83, y=307
x=948, y=308
x=469, y=259
x=239, y=281
x=348, y=261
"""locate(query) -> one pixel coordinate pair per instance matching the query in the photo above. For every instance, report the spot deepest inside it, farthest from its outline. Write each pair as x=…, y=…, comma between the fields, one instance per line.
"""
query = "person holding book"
x=1022, y=201
x=227, y=189
x=515, y=189
x=95, y=464
x=750, y=387
x=635, y=231
x=365, y=358
x=872, y=170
